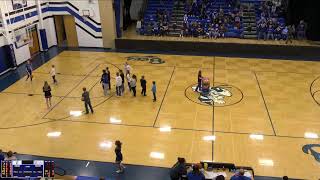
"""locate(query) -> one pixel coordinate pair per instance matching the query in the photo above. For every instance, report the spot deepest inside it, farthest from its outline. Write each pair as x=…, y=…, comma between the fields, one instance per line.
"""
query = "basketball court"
x=273, y=111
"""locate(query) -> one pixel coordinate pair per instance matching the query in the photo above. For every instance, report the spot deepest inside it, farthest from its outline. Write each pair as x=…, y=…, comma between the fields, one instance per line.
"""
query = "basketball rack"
x=86, y=14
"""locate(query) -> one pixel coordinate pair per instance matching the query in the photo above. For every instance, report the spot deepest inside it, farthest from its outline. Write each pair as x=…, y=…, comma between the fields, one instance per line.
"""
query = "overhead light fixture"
x=75, y=113
x=266, y=162
x=54, y=134
x=256, y=136
x=115, y=121
x=209, y=138
x=105, y=145
x=165, y=129
x=311, y=135
x=157, y=155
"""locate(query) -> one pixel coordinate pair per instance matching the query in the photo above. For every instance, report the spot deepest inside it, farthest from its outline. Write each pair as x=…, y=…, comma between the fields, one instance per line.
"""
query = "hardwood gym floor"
x=275, y=99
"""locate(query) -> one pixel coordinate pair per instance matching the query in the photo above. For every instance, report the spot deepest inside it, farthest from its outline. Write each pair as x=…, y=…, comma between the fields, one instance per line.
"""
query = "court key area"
x=261, y=113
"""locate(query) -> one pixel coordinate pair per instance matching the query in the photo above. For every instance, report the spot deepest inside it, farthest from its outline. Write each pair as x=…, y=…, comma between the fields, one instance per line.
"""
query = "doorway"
x=34, y=46
x=66, y=31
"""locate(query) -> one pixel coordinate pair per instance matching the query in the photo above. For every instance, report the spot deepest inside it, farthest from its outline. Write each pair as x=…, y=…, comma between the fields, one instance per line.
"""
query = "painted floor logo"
x=215, y=95
x=150, y=59
x=219, y=95
x=311, y=148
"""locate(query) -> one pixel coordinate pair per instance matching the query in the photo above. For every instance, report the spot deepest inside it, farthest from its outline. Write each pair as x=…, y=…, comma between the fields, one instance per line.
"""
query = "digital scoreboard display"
x=27, y=169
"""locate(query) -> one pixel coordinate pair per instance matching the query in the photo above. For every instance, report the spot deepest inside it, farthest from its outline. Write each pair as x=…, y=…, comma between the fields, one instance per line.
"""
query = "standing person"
x=199, y=86
x=47, y=93
x=108, y=73
x=154, y=91
x=143, y=83
x=53, y=74
x=129, y=80
x=118, y=85
x=127, y=68
x=105, y=82
x=119, y=157
x=178, y=170
x=122, y=77
x=86, y=99
x=29, y=70
x=133, y=84
x=290, y=35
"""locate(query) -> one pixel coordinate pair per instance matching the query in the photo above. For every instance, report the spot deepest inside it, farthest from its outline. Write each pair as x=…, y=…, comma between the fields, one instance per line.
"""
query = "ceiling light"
x=266, y=162
x=54, y=134
x=105, y=144
x=165, y=129
x=311, y=135
x=256, y=136
x=115, y=121
x=157, y=155
x=75, y=113
x=209, y=138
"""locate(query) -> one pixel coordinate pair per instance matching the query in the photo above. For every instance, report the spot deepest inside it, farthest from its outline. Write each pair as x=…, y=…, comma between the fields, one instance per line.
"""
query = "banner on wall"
x=18, y=4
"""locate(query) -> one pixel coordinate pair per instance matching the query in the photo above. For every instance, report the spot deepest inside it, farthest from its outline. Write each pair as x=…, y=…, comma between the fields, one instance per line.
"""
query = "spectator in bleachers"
x=139, y=25
x=222, y=30
x=196, y=174
x=284, y=33
x=290, y=34
x=270, y=32
x=301, y=30
x=262, y=30
x=277, y=32
x=178, y=170
x=240, y=176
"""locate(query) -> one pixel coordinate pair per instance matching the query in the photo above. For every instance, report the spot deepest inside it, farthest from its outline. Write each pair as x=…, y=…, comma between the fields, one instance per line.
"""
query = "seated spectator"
x=220, y=177
x=178, y=170
x=10, y=156
x=285, y=178
x=1, y=156
x=240, y=176
x=196, y=174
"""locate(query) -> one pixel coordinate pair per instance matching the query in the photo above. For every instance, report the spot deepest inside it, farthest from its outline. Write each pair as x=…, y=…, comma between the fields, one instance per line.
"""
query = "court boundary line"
x=146, y=126
x=213, y=107
x=164, y=95
x=265, y=104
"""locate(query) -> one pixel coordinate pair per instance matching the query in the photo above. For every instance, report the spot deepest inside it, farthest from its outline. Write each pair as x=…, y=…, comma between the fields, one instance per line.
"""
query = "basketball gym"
x=256, y=109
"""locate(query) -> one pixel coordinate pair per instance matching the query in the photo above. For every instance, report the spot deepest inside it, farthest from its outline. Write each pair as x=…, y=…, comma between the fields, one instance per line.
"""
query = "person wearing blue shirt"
x=195, y=174
x=154, y=91
x=105, y=82
x=29, y=70
x=240, y=176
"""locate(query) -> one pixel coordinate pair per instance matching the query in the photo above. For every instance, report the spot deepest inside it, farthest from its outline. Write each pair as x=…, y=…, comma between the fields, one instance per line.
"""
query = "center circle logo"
x=219, y=95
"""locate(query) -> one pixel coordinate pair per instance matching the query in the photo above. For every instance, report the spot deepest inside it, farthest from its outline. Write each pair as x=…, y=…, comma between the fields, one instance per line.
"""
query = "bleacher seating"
x=151, y=13
x=203, y=21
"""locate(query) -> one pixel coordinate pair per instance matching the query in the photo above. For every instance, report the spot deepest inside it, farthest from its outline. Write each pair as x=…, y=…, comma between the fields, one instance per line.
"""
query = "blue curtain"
x=117, y=9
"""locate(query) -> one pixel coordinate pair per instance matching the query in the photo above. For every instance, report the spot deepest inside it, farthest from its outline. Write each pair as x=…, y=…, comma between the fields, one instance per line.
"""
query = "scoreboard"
x=27, y=169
